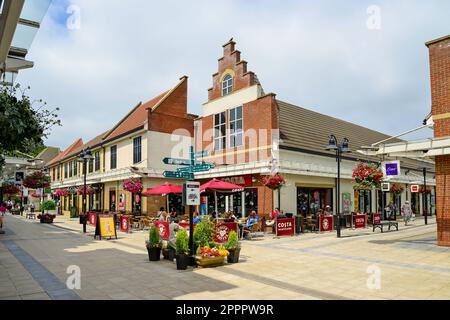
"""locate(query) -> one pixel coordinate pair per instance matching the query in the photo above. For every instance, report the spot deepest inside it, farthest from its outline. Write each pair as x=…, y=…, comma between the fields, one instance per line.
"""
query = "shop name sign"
x=391, y=168
x=415, y=188
x=285, y=227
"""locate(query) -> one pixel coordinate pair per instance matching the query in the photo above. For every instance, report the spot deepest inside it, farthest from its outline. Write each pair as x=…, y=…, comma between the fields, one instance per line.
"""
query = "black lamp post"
x=340, y=148
x=43, y=181
x=85, y=156
x=425, y=195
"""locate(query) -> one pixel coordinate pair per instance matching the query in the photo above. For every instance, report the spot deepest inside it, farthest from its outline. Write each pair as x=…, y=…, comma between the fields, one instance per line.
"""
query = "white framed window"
x=236, y=127
x=220, y=136
x=227, y=85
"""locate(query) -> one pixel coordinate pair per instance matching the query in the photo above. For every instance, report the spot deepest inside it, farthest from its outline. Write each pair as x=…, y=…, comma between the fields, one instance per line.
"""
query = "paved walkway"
x=34, y=259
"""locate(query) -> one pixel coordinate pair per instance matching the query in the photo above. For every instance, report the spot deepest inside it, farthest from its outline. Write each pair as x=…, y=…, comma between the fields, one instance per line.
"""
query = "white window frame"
x=236, y=133
x=227, y=84
x=217, y=129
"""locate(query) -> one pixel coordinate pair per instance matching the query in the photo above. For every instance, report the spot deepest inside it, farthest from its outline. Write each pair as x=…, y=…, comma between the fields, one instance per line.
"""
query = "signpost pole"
x=425, y=202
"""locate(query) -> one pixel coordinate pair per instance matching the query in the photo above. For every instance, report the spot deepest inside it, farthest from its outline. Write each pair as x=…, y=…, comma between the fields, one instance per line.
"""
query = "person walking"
x=407, y=212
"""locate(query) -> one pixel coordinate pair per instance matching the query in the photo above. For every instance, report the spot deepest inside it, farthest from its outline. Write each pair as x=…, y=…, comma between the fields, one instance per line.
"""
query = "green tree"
x=23, y=124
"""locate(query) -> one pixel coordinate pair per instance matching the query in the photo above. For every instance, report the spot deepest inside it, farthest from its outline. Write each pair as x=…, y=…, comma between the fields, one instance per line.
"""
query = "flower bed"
x=211, y=257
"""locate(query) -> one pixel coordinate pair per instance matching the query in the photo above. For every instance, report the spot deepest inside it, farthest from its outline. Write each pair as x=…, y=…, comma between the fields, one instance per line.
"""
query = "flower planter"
x=209, y=261
x=182, y=261
x=154, y=254
x=233, y=257
x=46, y=218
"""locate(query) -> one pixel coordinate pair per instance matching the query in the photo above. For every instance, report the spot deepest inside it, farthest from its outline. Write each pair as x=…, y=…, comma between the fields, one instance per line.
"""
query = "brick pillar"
x=440, y=93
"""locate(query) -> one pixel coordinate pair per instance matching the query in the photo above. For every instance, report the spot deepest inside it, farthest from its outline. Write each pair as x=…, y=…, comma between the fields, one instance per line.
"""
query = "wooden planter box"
x=209, y=261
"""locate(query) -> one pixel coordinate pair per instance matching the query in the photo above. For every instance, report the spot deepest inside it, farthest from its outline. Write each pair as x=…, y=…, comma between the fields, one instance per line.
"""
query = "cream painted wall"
x=125, y=152
x=237, y=98
x=161, y=145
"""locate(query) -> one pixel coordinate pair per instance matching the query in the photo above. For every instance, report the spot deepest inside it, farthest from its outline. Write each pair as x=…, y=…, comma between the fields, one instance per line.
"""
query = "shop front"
x=313, y=200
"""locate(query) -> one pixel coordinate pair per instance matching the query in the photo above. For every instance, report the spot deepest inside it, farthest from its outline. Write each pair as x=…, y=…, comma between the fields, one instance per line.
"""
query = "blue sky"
x=317, y=54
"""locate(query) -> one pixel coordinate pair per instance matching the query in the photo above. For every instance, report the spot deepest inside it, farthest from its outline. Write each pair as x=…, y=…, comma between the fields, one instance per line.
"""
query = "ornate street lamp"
x=339, y=148
x=85, y=156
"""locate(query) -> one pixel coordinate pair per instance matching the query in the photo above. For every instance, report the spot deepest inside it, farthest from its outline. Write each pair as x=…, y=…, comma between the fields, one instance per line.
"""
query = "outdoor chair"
x=254, y=232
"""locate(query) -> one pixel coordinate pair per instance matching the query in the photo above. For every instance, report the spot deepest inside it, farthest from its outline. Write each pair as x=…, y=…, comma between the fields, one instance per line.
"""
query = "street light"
x=425, y=196
x=85, y=156
x=44, y=171
x=339, y=148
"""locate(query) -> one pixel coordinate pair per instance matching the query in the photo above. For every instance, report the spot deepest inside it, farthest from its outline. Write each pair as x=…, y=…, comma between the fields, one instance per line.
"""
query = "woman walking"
x=407, y=212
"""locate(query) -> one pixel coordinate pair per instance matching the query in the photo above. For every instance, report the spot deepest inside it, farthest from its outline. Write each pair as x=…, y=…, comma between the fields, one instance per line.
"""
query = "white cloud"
x=319, y=55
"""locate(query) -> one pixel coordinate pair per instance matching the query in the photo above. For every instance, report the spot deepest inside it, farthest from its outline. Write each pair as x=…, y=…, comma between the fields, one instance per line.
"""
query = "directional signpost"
x=192, y=165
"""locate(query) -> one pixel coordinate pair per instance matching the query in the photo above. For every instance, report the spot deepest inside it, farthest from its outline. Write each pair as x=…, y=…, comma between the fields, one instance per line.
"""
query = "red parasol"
x=166, y=188
x=219, y=185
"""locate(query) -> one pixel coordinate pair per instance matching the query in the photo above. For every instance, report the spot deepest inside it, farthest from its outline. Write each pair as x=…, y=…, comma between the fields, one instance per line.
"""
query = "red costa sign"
x=223, y=231
x=377, y=218
x=92, y=219
x=325, y=223
x=163, y=227
x=125, y=224
x=285, y=227
x=360, y=221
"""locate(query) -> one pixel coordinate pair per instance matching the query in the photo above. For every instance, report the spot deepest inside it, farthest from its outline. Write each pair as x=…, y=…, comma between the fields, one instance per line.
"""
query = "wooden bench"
x=382, y=224
x=30, y=216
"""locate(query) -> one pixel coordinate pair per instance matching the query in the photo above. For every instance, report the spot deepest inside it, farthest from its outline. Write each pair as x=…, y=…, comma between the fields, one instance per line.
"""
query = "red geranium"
x=397, y=188
x=422, y=189
x=367, y=176
x=133, y=185
x=10, y=189
x=274, y=181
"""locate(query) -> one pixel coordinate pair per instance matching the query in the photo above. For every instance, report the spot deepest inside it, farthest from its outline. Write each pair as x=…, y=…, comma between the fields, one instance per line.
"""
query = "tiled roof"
x=74, y=146
x=135, y=119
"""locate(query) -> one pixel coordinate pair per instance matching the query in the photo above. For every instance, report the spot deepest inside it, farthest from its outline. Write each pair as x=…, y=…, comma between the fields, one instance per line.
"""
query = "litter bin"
x=83, y=218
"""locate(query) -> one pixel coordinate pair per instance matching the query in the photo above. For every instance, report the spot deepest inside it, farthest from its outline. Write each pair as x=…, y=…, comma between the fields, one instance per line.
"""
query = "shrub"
x=204, y=232
x=233, y=241
x=182, y=242
x=48, y=205
x=154, y=239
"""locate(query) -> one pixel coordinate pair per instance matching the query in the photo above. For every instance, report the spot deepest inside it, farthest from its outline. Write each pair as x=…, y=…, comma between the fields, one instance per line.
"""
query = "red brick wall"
x=440, y=94
x=231, y=60
x=171, y=114
x=260, y=119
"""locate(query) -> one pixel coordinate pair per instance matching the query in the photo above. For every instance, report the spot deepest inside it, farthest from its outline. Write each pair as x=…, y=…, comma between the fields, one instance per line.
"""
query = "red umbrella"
x=221, y=186
x=164, y=189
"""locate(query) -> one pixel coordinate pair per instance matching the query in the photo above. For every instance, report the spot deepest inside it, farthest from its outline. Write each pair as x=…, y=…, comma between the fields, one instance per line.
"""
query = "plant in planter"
x=234, y=247
x=46, y=217
x=154, y=244
x=204, y=233
x=182, y=250
x=211, y=257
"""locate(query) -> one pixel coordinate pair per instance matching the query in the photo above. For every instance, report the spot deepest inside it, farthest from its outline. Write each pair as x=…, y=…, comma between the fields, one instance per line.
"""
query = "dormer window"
x=227, y=85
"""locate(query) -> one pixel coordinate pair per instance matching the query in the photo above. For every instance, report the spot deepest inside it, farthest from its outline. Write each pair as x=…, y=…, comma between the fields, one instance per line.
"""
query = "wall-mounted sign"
x=391, y=168
x=325, y=223
x=191, y=193
x=415, y=188
x=386, y=187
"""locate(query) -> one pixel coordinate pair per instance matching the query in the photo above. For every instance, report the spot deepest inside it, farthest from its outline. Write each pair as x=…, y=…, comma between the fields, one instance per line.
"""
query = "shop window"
x=227, y=85
x=219, y=131
x=58, y=173
x=236, y=131
x=70, y=169
x=251, y=201
x=364, y=203
x=313, y=201
x=65, y=170
x=91, y=166
x=75, y=168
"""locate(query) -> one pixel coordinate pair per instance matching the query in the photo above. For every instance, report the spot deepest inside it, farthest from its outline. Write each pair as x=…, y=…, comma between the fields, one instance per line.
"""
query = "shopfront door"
x=313, y=200
x=112, y=200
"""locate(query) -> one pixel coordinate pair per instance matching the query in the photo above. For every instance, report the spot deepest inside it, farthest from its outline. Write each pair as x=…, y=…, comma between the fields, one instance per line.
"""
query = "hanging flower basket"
x=82, y=191
x=367, y=176
x=133, y=185
x=397, y=188
x=273, y=182
x=422, y=189
x=61, y=192
x=10, y=189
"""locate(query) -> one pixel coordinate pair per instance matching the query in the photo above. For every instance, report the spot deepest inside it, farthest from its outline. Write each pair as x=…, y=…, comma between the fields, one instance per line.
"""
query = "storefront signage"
x=191, y=193
x=92, y=219
x=122, y=201
x=223, y=231
x=391, y=168
x=245, y=181
x=325, y=223
x=163, y=227
x=125, y=224
x=415, y=188
x=105, y=226
x=360, y=221
x=285, y=227
x=377, y=218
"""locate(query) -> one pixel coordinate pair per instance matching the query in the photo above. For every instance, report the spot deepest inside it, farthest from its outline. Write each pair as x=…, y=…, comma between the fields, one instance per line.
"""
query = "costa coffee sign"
x=325, y=223
x=223, y=231
x=92, y=219
x=125, y=224
x=245, y=181
x=163, y=228
x=360, y=221
x=285, y=227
